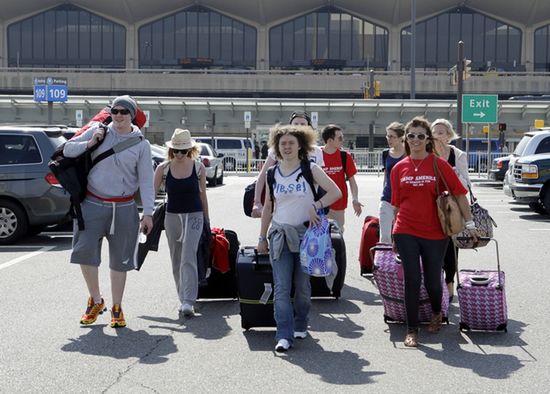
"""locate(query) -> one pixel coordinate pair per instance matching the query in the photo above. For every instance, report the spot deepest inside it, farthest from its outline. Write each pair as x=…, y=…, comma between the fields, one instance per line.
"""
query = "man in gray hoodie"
x=109, y=209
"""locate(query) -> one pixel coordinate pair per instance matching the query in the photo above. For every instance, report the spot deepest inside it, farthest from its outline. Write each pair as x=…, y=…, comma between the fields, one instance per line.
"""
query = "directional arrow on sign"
x=480, y=115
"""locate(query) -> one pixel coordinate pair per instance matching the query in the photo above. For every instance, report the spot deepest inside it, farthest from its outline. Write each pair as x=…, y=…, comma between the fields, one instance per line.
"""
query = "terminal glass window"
x=542, y=48
x=66, y=36
x=197, y=37
x=328, y=38
x=489, y=43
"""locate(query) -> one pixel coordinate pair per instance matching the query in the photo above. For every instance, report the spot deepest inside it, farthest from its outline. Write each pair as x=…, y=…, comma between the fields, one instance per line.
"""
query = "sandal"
x=411, y=340
x=435, y=323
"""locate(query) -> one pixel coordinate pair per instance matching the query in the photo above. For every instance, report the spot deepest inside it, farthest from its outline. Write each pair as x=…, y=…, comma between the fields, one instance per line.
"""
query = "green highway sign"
x=479, y=108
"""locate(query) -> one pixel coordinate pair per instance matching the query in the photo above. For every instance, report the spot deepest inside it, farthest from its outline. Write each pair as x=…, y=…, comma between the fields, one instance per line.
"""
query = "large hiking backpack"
x=72, y=172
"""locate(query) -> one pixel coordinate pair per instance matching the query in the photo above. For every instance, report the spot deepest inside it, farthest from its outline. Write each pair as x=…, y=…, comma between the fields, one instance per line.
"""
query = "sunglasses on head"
x=115, y=111
x=412, y=136
x=182, y=151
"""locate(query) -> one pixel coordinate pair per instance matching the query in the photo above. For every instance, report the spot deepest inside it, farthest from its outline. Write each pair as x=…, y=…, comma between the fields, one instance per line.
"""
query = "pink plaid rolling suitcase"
x=482, y=298
x=388, y=276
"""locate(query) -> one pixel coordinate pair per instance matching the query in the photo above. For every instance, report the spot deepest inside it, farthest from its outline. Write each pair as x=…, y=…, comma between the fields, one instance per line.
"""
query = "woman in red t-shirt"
x=417, y=231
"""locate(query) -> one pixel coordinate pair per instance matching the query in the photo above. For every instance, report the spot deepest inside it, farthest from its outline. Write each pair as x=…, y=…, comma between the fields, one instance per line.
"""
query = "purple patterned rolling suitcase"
x=388, y=275
x=482, y=299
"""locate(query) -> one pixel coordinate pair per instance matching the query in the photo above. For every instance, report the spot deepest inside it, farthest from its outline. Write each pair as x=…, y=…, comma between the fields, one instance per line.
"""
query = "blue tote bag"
x=317, y=257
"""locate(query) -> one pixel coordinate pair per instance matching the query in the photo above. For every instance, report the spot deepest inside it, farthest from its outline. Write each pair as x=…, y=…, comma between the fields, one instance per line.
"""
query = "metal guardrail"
x=367, y=163
x=365, y=72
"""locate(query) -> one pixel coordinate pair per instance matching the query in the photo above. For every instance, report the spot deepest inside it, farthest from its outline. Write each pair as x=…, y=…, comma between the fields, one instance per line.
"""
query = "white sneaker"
x=300, y=334
x=282, y=346
x=187, y=310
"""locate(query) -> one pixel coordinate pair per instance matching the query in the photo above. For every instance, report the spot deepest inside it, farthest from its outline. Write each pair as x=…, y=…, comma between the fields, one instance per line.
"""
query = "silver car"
x=213, y=163
x=31, y=198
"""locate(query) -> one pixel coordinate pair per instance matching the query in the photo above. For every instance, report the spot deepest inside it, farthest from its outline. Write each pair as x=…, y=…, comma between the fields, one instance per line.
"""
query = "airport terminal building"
x=257, y=49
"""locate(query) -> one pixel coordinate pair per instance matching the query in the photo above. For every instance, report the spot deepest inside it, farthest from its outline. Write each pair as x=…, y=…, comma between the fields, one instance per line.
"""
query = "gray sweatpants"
x=183, y=231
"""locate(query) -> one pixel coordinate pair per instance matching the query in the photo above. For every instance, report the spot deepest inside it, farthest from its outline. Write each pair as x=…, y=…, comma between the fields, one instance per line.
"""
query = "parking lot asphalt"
x=350, y=348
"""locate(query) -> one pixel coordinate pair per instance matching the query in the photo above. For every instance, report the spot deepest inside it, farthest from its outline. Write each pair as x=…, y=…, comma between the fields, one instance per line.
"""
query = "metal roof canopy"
x=238, y=104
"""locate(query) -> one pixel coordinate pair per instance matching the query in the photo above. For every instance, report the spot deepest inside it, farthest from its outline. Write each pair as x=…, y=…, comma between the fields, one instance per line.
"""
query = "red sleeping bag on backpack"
x=104, y=116
x=369, y=238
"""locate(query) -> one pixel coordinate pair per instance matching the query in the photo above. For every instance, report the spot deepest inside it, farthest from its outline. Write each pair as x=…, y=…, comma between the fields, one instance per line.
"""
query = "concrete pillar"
x=262, y=48
x=132, y=52
x=3, y=46
x=528, y=48
x=395, y=48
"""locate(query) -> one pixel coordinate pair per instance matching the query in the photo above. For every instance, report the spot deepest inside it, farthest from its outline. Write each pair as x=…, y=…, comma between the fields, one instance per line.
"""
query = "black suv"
x=30, y=196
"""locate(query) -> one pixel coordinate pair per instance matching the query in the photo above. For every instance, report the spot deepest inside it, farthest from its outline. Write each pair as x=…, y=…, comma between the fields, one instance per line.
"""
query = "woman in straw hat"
x=186, y=211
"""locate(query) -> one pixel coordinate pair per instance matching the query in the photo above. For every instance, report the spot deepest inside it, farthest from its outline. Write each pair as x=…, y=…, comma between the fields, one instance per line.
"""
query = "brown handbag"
x=448, y=210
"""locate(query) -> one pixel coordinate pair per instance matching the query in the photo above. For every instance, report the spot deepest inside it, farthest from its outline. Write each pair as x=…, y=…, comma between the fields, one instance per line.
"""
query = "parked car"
x=533, y=142
x=499, y=168
x=158, y=154
x=213, y=163
x=531, y=181
x=234, y=150
x=30, y=195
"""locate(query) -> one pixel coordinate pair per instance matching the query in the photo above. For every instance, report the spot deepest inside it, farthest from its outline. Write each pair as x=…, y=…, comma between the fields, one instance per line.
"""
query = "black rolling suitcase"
x=218, y=285
x=319, y=286
x=255, y=288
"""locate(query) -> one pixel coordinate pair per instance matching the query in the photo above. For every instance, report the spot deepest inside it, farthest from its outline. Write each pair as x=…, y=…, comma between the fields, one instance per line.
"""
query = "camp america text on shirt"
x=418, y=180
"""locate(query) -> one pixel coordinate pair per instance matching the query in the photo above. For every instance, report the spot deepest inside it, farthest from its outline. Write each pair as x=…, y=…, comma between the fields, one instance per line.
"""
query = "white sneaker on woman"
x=282, y=346
x=187, y=310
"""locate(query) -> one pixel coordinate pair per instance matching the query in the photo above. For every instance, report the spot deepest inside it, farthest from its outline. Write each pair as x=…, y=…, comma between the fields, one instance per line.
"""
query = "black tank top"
x=451, y=160
x=183, y=194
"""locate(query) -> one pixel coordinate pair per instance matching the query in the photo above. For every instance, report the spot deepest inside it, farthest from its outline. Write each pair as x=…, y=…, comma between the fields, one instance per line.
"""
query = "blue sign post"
x=52, y=90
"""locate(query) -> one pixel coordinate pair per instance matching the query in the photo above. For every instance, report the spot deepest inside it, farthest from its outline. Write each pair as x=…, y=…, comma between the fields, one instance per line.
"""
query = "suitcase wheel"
x=502, y=327
x=463, y=327
x=245, y=325
x=386, y=319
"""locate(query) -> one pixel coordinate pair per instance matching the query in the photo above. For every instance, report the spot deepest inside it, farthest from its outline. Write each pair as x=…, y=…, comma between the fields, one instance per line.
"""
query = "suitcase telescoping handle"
x=379, y=247
x=261, y=260
x=481, y=239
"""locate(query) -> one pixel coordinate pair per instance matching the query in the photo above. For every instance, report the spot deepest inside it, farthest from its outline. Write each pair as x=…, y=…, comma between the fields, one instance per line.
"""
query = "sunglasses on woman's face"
x=182, y=151
x=412, y=136
x=115, y=111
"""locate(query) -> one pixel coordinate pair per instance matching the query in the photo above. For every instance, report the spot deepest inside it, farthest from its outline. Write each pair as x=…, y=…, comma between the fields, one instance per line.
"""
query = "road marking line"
x=539, y=229
x=21, y=247
x=25, y=257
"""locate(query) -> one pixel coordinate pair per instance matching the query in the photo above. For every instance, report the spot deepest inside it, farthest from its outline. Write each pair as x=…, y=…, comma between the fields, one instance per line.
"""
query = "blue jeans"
x=289, y=317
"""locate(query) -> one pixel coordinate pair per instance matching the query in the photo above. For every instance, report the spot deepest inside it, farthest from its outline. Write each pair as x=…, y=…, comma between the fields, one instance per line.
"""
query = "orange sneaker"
x=92, y=311
x=117, y=317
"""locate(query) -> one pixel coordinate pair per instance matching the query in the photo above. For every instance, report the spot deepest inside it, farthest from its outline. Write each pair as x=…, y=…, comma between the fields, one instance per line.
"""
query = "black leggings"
x=449, y=262
x=410, y=249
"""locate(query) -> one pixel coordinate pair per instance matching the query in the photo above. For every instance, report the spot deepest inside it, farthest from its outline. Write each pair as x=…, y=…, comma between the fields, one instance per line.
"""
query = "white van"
x=233, y=148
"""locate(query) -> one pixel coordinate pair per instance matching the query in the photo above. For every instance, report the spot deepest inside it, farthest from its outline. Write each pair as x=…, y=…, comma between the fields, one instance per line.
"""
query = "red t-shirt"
x=414, y=194
x=333, y=168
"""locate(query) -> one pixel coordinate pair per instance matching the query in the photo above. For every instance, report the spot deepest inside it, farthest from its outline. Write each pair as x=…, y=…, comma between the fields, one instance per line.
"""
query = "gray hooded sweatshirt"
x=121, y=174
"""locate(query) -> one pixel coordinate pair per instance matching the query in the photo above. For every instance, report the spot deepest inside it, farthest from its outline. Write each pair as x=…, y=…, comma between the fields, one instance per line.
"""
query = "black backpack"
x=305, y=171
x=72, y=172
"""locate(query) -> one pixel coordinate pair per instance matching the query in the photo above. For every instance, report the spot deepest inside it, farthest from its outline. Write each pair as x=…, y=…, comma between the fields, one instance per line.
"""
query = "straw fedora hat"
x=181, y=139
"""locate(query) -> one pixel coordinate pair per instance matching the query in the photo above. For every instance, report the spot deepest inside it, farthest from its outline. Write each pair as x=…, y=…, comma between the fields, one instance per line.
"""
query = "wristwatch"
x=260, y=239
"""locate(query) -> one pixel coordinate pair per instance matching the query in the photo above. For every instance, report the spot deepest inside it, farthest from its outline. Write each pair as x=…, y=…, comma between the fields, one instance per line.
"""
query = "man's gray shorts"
x=98, y=223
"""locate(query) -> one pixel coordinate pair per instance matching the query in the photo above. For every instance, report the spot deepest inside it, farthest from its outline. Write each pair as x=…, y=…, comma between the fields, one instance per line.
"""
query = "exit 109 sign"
x=479, y=108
